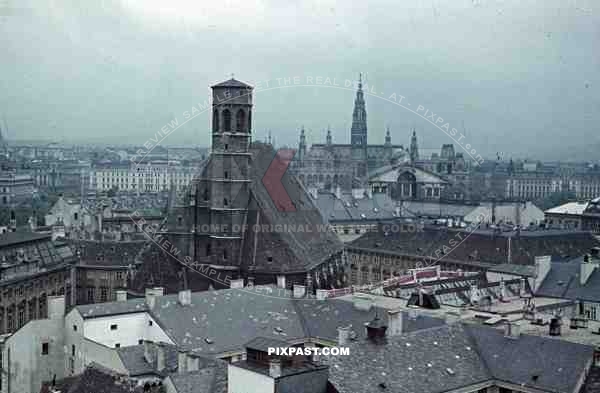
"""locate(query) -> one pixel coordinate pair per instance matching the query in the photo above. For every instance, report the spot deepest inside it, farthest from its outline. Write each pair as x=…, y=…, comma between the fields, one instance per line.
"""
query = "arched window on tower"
x=208, y=249
x=249, y=122
x=215, y=121
x=240, y=119
x=225, y=202
x=226, y=120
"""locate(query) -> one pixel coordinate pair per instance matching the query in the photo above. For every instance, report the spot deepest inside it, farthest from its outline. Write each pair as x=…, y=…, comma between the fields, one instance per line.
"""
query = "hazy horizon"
x=522, y=78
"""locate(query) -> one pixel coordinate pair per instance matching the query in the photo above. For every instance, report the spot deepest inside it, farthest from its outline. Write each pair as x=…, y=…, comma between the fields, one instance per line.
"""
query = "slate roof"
x=95, y=379
x=231, y=83
x=134, y=361
x=510, y=268
x=112, y=308
x=412, y=363
x=533, y=361
x=481, y=245
x=291, y=251
x=14, y=238
x=210, y=379
x=453, y=356
x=230, y=318
x=562, y=281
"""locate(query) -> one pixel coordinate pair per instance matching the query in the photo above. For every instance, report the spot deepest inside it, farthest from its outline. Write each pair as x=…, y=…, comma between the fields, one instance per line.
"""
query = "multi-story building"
x=15, y=188
x=150, y=177
x=32, y=267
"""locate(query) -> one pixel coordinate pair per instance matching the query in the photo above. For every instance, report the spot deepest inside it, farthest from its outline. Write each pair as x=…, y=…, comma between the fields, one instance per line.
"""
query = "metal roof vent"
x=450, y=371
x=209, y=340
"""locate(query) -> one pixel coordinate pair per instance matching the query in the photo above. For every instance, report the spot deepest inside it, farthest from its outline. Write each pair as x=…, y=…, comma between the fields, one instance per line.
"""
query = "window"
x=75, y=216
x=140, y=341
x=113, y=327
x=225, y=202
x=72, y=350
x=45, y=348
x=117, y=345
x=226, y=175
x=215, y=121
x=103, y=294
x=74, y=328
x=226, y=146
x=150, y=323
x=240, y=121
x=226, y=120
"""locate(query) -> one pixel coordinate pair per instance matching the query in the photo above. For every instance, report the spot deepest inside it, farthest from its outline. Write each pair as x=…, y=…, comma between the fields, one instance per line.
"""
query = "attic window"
x=270, y=258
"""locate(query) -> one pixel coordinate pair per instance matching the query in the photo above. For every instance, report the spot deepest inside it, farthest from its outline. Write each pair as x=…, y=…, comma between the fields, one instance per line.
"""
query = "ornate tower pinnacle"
x=414, y=147
x=302, y=145
x=328, y=136
x=358, y=132
x=388, y=137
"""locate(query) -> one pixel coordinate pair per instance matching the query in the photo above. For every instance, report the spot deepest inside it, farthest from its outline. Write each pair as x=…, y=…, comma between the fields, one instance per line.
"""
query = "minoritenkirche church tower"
x=227, y=191
x=358, y=133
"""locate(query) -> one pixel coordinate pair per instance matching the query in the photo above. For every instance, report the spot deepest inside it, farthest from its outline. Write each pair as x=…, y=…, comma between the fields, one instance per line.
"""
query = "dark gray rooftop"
x=13, y=238
x=231, y=83
x=453, y=356
x=536, y=362
x=562, y=281
x=210, y=379
x=112, y=308
x=134, y=361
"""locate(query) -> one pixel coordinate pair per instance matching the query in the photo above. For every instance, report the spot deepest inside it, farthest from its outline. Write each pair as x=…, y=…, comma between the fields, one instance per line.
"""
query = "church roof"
x=389, y=174
x=305, y=244
x=231, y=83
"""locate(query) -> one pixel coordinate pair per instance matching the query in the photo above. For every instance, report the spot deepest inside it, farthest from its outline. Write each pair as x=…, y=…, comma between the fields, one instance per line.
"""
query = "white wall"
x=130, y=329
x=240, y=380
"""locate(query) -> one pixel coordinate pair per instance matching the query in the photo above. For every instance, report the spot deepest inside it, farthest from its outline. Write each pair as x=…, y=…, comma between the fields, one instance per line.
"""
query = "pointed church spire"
x=328, y=136
x=414, y=147
x=388, y=137
x=358, y=132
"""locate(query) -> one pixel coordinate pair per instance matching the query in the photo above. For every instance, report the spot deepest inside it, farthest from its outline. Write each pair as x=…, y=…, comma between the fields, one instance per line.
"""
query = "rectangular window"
x=149, y=323
x=72, y=350
x=74, y=328
x=113, y=327
x=117, y=345
x=45, y=348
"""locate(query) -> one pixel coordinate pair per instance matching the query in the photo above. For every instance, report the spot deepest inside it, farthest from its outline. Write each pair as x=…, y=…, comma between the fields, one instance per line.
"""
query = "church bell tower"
x=228, y=178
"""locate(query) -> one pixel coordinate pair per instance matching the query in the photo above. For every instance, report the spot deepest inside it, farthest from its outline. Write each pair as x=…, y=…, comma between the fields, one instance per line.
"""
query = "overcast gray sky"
x=522, y=75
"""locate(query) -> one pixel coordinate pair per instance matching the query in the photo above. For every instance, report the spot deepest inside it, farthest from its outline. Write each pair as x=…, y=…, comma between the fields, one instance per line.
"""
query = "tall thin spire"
x=358, y=132
x=414, y=147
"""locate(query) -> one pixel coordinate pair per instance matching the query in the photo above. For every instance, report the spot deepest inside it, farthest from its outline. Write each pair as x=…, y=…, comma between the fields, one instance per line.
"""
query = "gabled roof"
x=389, y=174
x=459, y=355
x=231, y=83
x=562, y=281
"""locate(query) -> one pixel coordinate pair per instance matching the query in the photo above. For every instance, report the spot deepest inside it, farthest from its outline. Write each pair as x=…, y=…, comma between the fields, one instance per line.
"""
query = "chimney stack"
x=250, y=281
x=275, y=368
x=185, y=297
x=239, y=283
x=160, y=357
x=586, y=268
x=193, y=363
x=343, y=335
x=322, y=294
x=181, y=362
x=512, y=329
x=121, y=295
x=281, y=281
x=150, y=298
x=299, y=291
x=395, y=322
x=149, y=351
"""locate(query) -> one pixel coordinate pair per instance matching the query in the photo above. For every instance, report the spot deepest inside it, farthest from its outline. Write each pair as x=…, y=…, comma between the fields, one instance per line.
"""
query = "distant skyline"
x=524, y=78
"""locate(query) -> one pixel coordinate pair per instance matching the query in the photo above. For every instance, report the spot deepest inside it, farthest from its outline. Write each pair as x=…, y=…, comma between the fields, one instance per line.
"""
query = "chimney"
x=343, y=335
x=149, y=351
x=542, y=267
x=158, y=291
x=522, y=288
x=160, y=356
x=239, y=283
x=512, y=329
x=185, y=297
x=250, y=281
x=181, y=362
x=362, y=301
x=586, y=269
x=554, y=327
x=338, y=192
x=299, y=291
x=474, y=294
x=121, y=295
x=502, y=290
x=322, y=294
x=281, y=281
x=193, y=363
x=275, y=368
x=56, y=307
x=395, y=322
x=150, y=298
